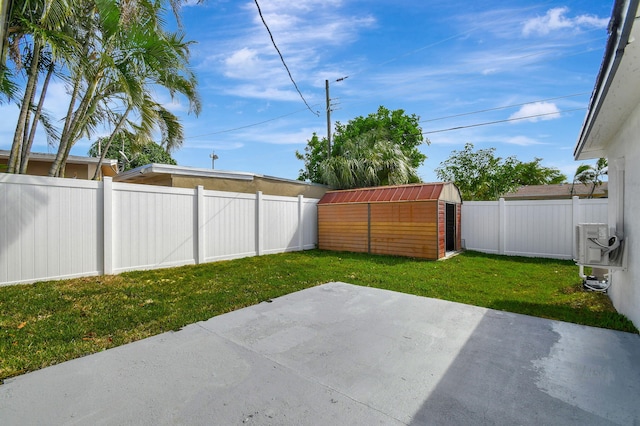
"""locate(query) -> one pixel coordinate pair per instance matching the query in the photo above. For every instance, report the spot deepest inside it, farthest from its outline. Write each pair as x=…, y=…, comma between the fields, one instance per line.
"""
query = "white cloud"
x=536, y=110
x=591, y=21
x=174, y=105
x=278, y=22
x=555, y=19
x=241, y=58
x=267, y=93
x=522, y=141
x=303, y=31
x=299, y=5
x=242, y=63
x=285, y=133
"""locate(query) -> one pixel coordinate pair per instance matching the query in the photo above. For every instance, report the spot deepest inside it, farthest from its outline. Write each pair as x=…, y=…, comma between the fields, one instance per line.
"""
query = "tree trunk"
x=26, y=146
x=29, y=91
x=75, y=126
x=55, y=166
x=111, y=138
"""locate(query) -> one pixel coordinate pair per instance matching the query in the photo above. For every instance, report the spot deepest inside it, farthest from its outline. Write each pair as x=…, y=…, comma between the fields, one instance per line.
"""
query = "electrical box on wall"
x=596, y=246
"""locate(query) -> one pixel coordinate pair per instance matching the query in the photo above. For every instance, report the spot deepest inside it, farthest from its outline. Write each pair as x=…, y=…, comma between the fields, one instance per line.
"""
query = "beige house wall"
x=72, y=170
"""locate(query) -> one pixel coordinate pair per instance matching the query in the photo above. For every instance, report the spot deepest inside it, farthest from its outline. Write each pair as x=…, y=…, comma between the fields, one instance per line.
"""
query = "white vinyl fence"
x=60, y=228
x=538, y=228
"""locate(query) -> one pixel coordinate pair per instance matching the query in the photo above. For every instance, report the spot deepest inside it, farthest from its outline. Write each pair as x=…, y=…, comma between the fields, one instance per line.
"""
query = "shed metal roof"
x=381, y=194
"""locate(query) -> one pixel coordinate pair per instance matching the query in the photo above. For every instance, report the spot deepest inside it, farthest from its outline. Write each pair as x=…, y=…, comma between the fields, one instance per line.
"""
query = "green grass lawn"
x=50, y=322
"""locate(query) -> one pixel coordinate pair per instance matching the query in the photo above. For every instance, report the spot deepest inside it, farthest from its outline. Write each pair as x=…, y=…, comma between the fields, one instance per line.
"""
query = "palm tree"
x=599, y=171
x=37, y=25
x=167, y=58
x=29, y=135
x=587, y=174
x=113, y=54
x=130, y=57
x=369, y=160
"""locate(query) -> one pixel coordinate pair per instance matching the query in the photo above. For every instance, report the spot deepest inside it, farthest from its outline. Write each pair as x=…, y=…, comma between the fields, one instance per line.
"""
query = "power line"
x=378, y=65
x=502, y=107
x=395, y=58
x=500, y=121
x=282, y=59
x=422, y=121
x=461, y=34
x=249, y=125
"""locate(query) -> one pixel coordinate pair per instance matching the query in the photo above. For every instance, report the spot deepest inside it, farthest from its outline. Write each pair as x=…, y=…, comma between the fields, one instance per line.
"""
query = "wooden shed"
x=421, y=220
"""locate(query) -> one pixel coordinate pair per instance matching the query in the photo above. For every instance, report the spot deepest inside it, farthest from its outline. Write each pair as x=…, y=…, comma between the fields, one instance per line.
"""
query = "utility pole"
x=214, y=157
x=326, y=86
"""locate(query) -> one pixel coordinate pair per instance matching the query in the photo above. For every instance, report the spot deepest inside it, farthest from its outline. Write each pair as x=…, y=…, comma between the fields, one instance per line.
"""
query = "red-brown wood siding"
x=405, y=220
x=404, y=229
x=343, y=227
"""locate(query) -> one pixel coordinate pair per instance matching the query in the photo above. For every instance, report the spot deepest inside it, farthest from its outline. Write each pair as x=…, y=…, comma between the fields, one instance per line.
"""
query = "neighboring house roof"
x=142, y=173
x=382, y=194
x=617, y=91
x=189, y=177
x=109, y=166
x=559, y=191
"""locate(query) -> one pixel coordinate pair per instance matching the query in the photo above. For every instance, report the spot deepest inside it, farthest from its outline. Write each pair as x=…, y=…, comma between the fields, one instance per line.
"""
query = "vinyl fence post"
x=200, y=225
x=575, y=207
x=259, y=223
x=301, y=222
x=107, y=225
x=502, y=220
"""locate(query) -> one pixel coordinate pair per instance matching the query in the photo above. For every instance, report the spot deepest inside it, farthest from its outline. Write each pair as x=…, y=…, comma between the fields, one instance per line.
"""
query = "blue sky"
x=435, y=59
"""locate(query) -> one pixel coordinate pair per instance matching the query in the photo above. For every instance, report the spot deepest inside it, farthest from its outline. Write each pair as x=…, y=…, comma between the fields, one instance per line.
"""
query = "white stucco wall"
x=623, y=154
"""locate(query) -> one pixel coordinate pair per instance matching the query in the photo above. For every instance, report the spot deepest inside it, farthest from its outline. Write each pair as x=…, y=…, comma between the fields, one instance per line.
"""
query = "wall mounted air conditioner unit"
x=596, y=246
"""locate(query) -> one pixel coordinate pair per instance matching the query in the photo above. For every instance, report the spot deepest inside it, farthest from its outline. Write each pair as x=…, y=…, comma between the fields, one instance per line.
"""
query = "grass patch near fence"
x=50, y=322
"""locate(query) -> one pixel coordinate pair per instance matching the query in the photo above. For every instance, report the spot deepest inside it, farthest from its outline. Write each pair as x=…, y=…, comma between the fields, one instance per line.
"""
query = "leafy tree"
x=587, y=174
x=129, y=153
x=533, y=173
x=394, y=127
x=401, y=129
x=112, y=55
x=371, y=159
x=314, y=153
x=480, y=175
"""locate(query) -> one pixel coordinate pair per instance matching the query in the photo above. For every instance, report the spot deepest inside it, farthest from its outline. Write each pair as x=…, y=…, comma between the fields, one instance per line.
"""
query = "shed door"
x=450, y=230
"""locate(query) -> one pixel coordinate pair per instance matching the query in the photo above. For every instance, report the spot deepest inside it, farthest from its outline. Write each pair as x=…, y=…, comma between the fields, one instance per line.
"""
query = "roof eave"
x=72, y=159
x=620, y=28
x=170, y=169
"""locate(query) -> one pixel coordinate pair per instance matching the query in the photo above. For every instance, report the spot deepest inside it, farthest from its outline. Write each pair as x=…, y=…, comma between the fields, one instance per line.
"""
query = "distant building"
x=218, y=180
x=557, y=192
x=76, y=167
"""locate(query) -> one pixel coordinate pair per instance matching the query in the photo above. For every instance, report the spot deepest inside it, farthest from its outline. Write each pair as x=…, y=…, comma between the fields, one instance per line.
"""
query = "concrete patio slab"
x=342, y=354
